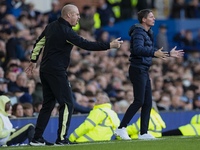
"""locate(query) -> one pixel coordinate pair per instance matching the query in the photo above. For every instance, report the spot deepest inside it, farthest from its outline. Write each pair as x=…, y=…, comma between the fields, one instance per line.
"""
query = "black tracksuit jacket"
x=58, y=39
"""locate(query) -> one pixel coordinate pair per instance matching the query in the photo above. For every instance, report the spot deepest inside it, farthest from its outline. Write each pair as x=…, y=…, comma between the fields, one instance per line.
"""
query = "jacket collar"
x=105, y=105
x=63, y=21
x=140, y=26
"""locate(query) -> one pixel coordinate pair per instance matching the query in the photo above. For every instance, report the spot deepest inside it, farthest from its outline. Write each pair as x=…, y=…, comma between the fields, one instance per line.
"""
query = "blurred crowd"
x=175, y=83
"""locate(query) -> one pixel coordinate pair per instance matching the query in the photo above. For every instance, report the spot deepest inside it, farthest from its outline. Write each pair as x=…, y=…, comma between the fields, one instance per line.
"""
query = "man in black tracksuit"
x=58, y=39
x=142, y=50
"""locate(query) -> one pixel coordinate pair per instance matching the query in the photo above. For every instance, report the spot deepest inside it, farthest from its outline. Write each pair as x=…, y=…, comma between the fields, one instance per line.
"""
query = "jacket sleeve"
x=75, y=39
x=138, y=46
x=38, y=46
x=3, y=132
x=93, y=119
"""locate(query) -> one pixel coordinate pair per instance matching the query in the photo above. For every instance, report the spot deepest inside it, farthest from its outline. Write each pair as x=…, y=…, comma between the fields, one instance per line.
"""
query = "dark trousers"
x=21, y=134
x=142, y=98
x=56, y=87
x=172, y=132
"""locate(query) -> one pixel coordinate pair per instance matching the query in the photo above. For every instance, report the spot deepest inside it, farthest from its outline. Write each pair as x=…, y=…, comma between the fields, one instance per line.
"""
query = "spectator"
x=193, y=9
x=20, y=88
x=9, y=110
x=176, y=103
x=188, y=40
x=127, y=9
x=3, y=9
x=79, y=107
x=92, y=87
x=196, y=103
x=99, y=124
x=191, y=129
x=78, y=84
x=187, y=78
x=32, y=12
x=106, y=14
x=3, y=82
x=17, y=110
x=102, y=82
x=91, y=103
x=129, y=95
x=198, y=39
x=115, y=5
x=91, y=98
x=28, y=109
x=87, y=19
x=161, y=39
x=21, y=82
x=141, y=4
x=156, y=95
x=14, y=7
x=8, y=134
x=178, y=38
x=178, y=9
x=116, y=85
x=31, y=86
x=83, y=100
x=87, y=74
x=37, y=107
x=158, y=83
x=122, y=106
x=164, y=103
x=22, y=23
x=13, y=47
x=24, y=97
x=12, y=77
x=3, y=86
x=103, y=36
x=187, y=99
x=55, y=13
x=2, y=52
x=14, y=65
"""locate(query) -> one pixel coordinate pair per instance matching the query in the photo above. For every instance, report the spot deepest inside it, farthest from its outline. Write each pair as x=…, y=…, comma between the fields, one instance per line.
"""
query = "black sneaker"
x=64, y=142
x=40, y=142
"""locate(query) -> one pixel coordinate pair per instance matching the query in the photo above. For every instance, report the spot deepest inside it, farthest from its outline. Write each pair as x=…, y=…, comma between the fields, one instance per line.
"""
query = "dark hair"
x=27, y=105
x=14, y=108
x=86, y=7
x=143, y=14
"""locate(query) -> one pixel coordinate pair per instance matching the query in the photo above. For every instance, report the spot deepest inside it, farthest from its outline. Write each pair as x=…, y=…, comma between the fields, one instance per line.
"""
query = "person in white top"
x=8, y=135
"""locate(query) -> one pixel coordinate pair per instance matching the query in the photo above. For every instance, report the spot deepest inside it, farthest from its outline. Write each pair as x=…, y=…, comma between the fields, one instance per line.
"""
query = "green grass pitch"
x=164, y=143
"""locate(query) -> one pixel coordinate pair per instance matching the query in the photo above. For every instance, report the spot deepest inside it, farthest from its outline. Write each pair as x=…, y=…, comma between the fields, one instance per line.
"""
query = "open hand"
x=160, y=54
x=176, y=53
x=30, y=68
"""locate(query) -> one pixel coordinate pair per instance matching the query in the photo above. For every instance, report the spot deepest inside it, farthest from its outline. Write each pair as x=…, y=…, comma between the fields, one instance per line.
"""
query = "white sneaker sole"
x=122, y=137
x=37, y=144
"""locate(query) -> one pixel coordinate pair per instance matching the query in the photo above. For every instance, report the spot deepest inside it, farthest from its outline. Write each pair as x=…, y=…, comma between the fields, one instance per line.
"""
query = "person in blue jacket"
x=142, y=50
